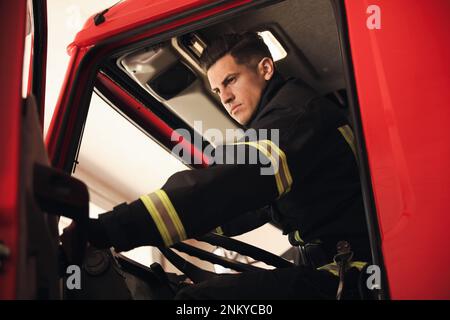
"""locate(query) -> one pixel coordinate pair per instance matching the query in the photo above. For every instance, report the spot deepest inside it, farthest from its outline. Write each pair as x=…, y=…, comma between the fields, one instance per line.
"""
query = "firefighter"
x=313, y=191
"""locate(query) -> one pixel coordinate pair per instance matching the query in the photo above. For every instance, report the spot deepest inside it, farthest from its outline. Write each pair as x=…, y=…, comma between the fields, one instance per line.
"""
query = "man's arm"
x=193, y=202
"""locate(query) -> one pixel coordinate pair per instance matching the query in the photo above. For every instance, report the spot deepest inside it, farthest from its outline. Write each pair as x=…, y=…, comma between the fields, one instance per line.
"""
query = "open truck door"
x=23, y=43
x=398, y=84
x=32, y=193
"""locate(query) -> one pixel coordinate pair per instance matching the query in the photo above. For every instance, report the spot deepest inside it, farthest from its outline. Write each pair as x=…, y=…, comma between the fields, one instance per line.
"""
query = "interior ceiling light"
x=275, y=47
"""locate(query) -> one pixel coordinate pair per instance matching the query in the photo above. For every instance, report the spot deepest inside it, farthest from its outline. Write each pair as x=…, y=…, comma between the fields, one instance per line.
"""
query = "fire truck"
x=385, y=63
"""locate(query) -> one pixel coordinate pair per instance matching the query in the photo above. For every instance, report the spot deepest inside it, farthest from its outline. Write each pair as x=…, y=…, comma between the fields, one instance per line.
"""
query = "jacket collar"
x=269, y=92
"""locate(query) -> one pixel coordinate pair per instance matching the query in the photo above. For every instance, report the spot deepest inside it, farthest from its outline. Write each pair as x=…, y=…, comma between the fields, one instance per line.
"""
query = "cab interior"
x=302, y=36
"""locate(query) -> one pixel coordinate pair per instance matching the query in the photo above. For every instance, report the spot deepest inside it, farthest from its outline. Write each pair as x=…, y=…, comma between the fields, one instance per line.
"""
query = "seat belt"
x=342, y=259
x=342, y=263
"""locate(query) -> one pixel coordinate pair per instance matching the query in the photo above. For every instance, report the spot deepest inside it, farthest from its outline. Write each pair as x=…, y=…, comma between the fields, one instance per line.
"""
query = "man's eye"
x=230, y=80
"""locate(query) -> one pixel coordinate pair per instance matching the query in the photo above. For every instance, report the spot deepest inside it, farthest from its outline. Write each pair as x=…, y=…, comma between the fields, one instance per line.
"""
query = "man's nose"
x=227, y=97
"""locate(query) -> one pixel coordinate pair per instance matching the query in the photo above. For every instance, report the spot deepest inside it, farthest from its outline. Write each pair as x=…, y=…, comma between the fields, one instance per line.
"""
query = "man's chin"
x=241, y=119
x=242, y=122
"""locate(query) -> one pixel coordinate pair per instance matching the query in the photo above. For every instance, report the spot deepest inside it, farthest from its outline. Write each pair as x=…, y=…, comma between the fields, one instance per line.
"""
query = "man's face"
x=239, y=86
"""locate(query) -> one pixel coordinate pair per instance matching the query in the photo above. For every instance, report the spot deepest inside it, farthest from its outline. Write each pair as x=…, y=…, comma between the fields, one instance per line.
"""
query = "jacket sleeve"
x=194, y=202
x=245, y=223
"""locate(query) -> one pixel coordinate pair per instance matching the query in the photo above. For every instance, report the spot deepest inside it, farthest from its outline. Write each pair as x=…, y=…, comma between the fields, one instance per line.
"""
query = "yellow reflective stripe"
x=283, y=158
x=275, y=164
x=297, y=237
x=173, y=215
x=283, y=177
x=283, y=169
x=262, y=148
x=347, y=133
x=333, y=268
x=358, y=265
x=219, y=230
x=165, y=217
x=148, y=203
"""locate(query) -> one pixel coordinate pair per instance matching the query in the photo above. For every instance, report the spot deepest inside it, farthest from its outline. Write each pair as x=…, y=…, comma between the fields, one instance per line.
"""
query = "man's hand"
x=74, y=243
x=75, y=239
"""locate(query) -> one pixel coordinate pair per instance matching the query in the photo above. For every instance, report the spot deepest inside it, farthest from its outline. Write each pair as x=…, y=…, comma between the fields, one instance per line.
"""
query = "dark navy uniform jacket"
x=314, y=189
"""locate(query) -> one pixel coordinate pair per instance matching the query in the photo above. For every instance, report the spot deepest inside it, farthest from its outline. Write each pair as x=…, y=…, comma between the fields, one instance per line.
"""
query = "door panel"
x=29, y=236
x=402, y=80
x=13, y=19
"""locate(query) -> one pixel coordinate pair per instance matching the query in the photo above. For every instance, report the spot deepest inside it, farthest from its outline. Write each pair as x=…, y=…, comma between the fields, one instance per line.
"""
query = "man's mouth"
x=233, y=108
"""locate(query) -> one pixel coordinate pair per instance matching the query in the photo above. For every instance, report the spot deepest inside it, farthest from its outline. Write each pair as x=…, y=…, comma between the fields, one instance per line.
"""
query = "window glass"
x=119, y=163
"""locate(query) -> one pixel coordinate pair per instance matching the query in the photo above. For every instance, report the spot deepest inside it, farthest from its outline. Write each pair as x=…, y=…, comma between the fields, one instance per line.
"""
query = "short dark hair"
x=245, y=48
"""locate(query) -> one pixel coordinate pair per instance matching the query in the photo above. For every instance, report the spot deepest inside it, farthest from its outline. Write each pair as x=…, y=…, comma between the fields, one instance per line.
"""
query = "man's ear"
x=266, y=68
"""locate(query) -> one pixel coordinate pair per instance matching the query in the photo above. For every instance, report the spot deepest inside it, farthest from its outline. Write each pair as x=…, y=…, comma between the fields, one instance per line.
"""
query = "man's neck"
x=273, y=85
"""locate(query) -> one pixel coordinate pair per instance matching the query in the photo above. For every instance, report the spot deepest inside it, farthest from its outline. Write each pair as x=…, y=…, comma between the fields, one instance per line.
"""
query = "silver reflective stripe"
x=164, y=216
